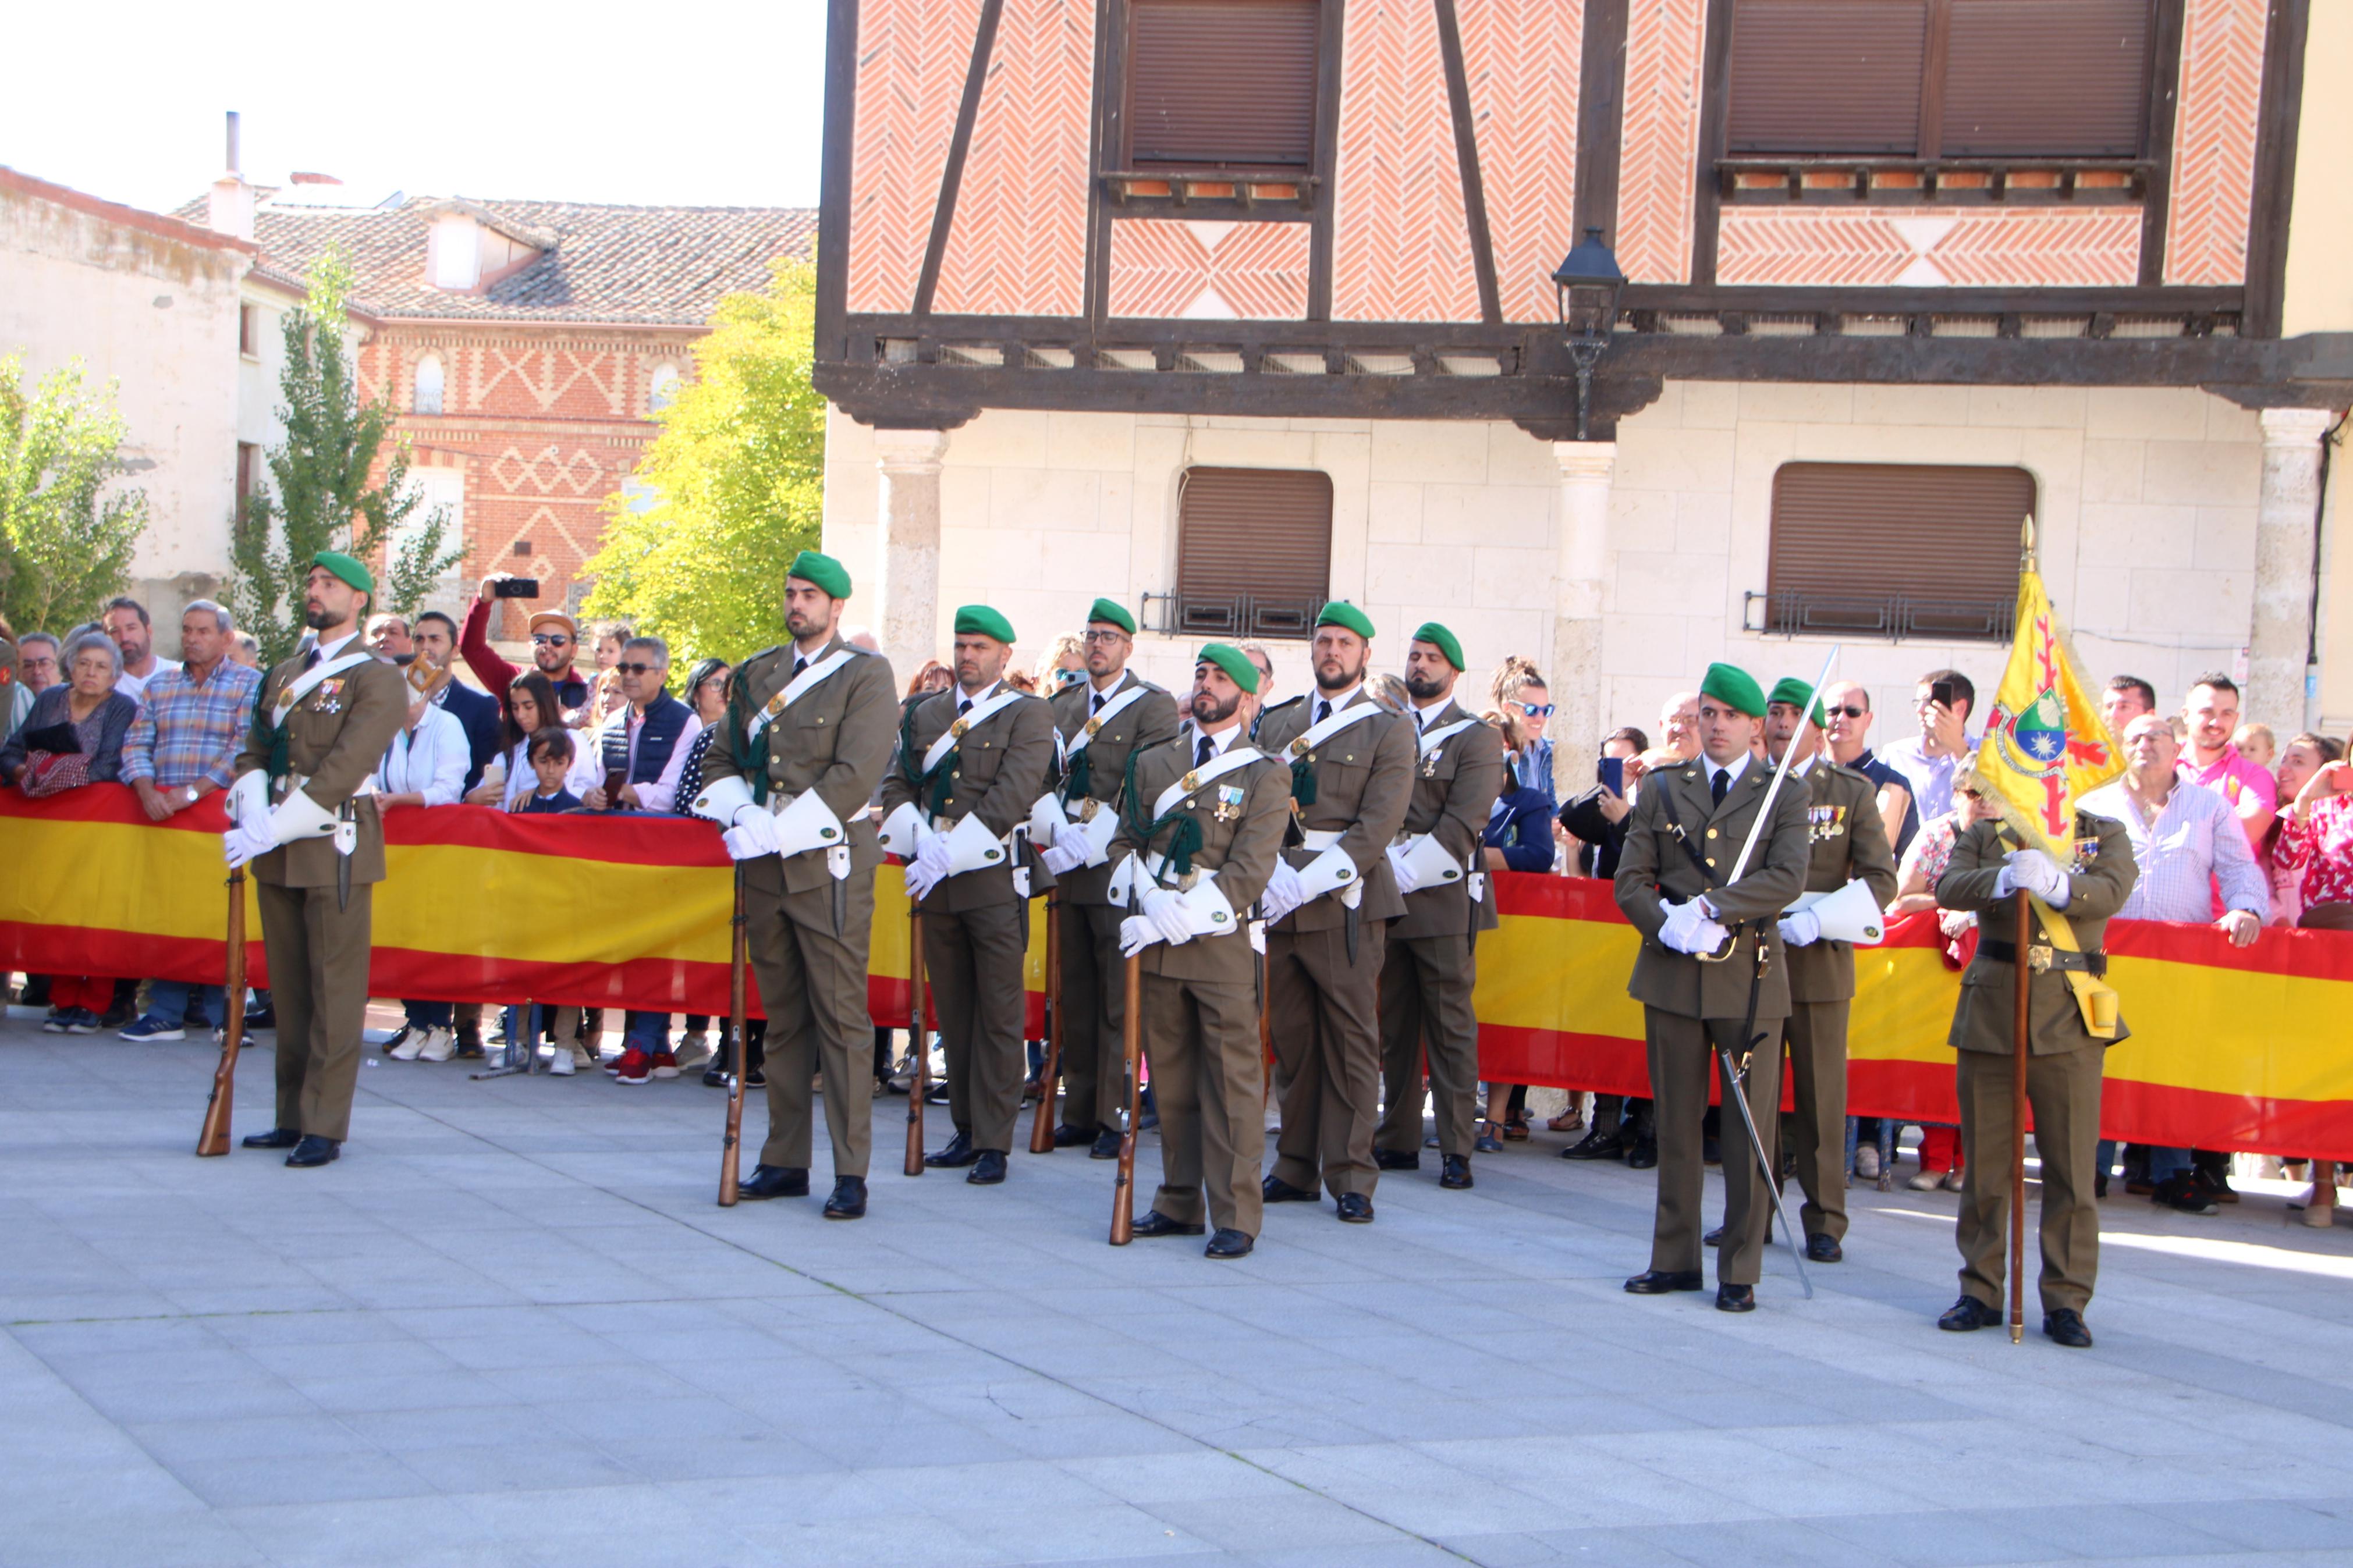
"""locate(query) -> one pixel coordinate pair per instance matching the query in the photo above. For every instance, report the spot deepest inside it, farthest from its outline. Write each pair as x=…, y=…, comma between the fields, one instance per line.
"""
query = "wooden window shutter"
x=1826, y=76
x=2047, y=78
x=1253, y=552
x=1222, y=83
x=1899, y=549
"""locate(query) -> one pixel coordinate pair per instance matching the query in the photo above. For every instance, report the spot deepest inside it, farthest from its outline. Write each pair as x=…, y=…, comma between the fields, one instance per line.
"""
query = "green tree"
x=321, y=496
x=735, y=485
x=66, y=535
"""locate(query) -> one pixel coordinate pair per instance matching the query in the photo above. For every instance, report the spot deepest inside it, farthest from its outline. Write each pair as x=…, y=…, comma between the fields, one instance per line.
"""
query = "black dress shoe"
x=988, y=1168
x=276, y=1137
x=2066, y=1327
x=714, y=1076
x=1660, y=1281
x=1228, y=1244
x=1644, y=1155
x=1455, y=1172
x=1068, y=1137
x=2100, y=1186
x=1155, y=1224
x=938, y=1093
x=1106, y=1146
x=1713, y=1238
x=316, y=1150
x=1821, y=1247
x=1735, y=1298
x=1392, y=1160
x=774, y=1182
x=1356, y=1209
x=1275, y=1189
x=1597, y=1145
x=849, y=1200
x=1969, y=1314
x=959, y=1152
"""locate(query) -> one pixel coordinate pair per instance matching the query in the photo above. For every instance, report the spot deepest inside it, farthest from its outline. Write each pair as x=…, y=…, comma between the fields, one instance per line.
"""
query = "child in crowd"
x=2257, y=744
x=551, y=761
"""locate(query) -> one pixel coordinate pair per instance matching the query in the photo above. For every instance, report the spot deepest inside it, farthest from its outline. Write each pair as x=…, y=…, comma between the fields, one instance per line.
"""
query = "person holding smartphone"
x=554, y=642
x=1930, y=763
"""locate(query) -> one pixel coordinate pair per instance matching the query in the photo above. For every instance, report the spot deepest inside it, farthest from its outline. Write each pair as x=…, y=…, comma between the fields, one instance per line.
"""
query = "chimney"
x=230, y=211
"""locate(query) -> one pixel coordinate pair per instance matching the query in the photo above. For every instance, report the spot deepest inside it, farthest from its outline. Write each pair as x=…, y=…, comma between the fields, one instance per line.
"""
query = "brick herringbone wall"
x=1400, y=250
x=2214, y=141
x=1524, y=60
x=913, y=56
x=1665, y=40
x=1018, y=244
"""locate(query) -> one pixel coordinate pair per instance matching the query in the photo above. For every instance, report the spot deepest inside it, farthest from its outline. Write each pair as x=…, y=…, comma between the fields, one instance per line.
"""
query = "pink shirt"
x=2233, y=777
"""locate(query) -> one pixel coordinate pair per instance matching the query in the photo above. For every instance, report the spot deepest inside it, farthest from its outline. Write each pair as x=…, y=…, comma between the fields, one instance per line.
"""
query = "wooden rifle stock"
x=1122, y=1208
x=1265, y=1034
x=214, y=1139
x=2020, y=977
x=1041, y=1127
x=918, y=1048
x=730, y=1158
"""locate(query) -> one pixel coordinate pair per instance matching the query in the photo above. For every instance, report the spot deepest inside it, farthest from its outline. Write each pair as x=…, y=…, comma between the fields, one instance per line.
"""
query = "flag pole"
x=2021, y=981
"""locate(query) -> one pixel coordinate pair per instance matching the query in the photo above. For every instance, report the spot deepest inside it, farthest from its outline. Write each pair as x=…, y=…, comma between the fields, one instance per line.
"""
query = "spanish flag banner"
x=2045, y=744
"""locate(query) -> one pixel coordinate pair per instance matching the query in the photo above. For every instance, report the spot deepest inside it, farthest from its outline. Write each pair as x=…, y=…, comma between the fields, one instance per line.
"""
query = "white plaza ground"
x=511, y=1326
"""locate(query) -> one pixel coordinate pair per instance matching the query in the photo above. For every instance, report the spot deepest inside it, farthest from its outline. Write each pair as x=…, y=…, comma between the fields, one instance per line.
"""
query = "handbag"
x=53, y=772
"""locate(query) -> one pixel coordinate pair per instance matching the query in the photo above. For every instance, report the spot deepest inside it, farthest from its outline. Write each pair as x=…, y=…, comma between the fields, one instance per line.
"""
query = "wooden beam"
x=1329, y=38
x=2156, y=137
x=1106, y=108
x=1715, y=108
x=952, y=177
x=833, y=179
x=1466, y=155
x=1600, y=117
x=2276, y=153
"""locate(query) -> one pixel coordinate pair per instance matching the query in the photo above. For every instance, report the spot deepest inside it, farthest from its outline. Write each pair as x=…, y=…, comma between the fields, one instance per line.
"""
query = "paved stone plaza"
x=512, y=1327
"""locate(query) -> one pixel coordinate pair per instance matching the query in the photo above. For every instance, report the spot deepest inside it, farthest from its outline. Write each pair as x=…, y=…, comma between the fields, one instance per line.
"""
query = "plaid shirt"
x=185, y=731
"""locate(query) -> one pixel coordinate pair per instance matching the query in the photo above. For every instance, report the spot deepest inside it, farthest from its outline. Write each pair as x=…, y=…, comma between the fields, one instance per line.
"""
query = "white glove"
x=1801, y=928
x=1703, y=935
x=923, y=876
x=934, y=857
x=1164, y=909
x=1402, y=869
x=1674, y=928
x=1135, y=935
x=1068, y=854
x=1283, y=892
x=2037, y=873
x=753, y=834
x=249, y=837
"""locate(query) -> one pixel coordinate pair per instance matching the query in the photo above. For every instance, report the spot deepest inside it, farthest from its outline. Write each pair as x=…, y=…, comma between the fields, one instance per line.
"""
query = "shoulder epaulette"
x=1283, y=704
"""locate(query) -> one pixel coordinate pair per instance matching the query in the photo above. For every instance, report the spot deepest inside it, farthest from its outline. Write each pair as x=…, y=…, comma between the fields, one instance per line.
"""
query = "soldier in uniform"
x=1199, y=837
x=2064, y=1063
x=1102, y=721
x=303, y=815
x=800, y=750
x=1428, y=969
x=1686, y=832
x=1327, y=906
x=972, y=761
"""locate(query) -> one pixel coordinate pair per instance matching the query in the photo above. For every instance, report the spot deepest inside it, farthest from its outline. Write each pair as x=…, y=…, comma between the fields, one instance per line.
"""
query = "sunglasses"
x=1851, y=710
x=1535, y=709
x=552, y=639
x=627, y=669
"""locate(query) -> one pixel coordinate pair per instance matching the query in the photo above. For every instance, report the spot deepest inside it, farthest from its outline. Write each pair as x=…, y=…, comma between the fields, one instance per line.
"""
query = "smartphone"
x=515, y=588
x=1612, y=775
x=1941, y=693
x=613, y=782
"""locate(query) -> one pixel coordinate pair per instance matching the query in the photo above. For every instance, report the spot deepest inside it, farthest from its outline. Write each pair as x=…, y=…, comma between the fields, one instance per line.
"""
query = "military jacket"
x=1147, y=721
x=996, y=772
x=1454, y=790
x=1363, y=777
x=2098, y=883
x=1243, y=815
x=1844, y=827
x=336, y=736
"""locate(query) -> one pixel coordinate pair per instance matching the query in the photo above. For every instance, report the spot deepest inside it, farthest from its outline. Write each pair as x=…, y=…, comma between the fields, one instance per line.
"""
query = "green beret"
x=1340, y=612
x=985, y=621
x=1442, y=639
x=1233, y=661
x=1794, y=692
x=346, y=567
x=1734, y=688
x=822, y=570
x=1113, y=612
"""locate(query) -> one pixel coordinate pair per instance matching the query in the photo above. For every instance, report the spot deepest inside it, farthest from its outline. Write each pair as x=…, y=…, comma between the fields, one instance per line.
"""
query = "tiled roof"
x=622, y=264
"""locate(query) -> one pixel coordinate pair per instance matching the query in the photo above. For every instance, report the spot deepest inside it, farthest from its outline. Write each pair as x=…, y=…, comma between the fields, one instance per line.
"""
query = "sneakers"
x=665, y=1064
x=153, y=1029
x=1866, y=1161
x=1926, y=1181
x=634, y=1066
x=560, y=1063
x=70, y=1021
x=693, y=1049
x=1953, y=1182
x=439, y=1046
x=2184, y=1193
x=404, y=1046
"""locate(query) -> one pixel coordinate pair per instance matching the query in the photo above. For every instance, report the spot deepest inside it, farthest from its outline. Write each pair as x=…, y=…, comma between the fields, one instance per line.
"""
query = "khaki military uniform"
x=1093, y=993
x=1200, y=998
x=1845, y=828
x=1428, y=970
x=976, y=934
x=1690, y=1008
x=1323, y=959
x=807, y=932
x=2062, y=1068
x=317, y=938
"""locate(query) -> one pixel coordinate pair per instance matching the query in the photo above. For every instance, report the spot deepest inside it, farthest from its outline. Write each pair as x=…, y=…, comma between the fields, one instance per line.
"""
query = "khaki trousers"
x=1207, y=1078
x=972, y=964
x=1324, y=1015
x=319, y=987
x=1682, y=1056
x=1094, y=1005
x=2062, y=1091
x=1426, y=1011
x=813, y=989
x=1817, y=1036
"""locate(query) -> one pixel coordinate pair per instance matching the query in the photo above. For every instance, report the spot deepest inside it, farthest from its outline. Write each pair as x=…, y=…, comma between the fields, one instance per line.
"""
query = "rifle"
x=1122, y=1207
x=2020, y=1027
x=1041, y=1128
x=214, y=1139
x=921, y=1085
x=1265, y=1036
x=729, y=1159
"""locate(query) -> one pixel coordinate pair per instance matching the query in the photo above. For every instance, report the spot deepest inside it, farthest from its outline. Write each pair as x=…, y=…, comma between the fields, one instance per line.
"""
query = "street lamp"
x=1588, y=282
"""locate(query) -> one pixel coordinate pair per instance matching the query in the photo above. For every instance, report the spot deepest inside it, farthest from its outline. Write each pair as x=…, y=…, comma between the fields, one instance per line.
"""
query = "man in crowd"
x=1327, y=905
x=2213, y=761
x=321, y=724
x=2127, y=698
x=1679, y=724
x=435, y=638
x=1847, y=707
x=244, y=648
x=388, y=639
x=178, y=752
x=126, y=621
x=36, y=662
x=555, y=643
x=424, y=765
x=974, y=760
x=1428, y=966
x=1689, y=822
x=1103, y=720
x=804, y=741
x=1930, y=762
x=1205, y=832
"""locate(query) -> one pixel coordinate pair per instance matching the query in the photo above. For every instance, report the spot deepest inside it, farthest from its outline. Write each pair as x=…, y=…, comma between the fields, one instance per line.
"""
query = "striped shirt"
x=2194, y=846
x=189, y=731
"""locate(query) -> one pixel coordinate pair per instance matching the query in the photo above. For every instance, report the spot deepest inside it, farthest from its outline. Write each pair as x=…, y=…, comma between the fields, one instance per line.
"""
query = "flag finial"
x=2026, y=544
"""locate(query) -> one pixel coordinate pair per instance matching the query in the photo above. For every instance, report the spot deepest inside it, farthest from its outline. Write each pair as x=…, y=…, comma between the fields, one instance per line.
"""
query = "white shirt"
x=430, y=760
x=1423, y=718
x=135, y=686
x=1219, y=744
x=965, y=704
x=1317, y=710
x=1731, y=770
x=580, y=778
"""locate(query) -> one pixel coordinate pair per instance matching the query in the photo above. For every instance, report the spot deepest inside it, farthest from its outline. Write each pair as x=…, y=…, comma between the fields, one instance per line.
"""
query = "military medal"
x=1229, y=802
x=1430, y=765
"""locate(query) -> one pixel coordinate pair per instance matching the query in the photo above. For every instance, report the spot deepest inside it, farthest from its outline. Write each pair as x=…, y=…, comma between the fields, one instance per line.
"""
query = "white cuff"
x=721, y=799
x=1045, y=818
x=299, y=817
x=903, y=831
x=808, y=823
x=1330, y=870
x=972, y=847
x=1097, y=831
x=1206, y=910
x=248, y=796
x=1123, y=881
x=1428, y=860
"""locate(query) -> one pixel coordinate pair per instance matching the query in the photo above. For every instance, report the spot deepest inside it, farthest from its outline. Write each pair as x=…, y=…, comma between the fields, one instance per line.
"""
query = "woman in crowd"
x=1061, y=664
x=1915, y=891
x=1593, y=827
x=531, y=706
x=706, y=693
x=1520, y=692
x=72, y=737
x=2304, y=756
x=1518, y=838
x=2315, y=842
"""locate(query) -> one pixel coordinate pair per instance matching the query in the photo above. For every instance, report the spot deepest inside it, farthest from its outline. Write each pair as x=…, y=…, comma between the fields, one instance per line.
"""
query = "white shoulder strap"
x=981, y=713
x=800, y=686
x=1339, y=720
x=302, y=685
x=1237, y=756
x=1433, y=739
x=1079, y=741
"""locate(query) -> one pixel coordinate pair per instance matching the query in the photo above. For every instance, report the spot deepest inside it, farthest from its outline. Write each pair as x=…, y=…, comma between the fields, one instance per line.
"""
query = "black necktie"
x=310, y=661
x=963, y=706
x=1099, y=700
x=1204, y=751
x=1322, y=709
x=1719, y=781
x=801, y=664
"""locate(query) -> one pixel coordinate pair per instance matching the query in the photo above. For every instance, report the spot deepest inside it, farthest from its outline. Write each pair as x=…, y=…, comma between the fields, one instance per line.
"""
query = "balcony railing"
x=1896, y=617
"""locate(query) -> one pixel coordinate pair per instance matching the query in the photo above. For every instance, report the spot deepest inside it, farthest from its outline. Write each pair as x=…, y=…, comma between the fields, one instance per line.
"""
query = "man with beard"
x=1103, y=720
x=804, y=740
x=1427, y=971
x=1198, y=839
x=973, y=762
x=1327, y=905
x=321, y=724
x=554, y=640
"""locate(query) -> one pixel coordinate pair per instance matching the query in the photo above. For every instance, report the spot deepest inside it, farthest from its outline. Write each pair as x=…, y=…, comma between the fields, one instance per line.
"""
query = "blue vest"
x=665, y=721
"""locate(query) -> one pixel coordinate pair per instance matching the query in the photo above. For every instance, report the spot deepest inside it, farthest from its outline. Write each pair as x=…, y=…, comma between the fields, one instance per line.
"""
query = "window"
x=1898, y=549
x=248, y=331
x=1939, y=79
x=428, y=398
x=1221, y=83
x=1253, y=552
x=663, y=390
x=248, y=472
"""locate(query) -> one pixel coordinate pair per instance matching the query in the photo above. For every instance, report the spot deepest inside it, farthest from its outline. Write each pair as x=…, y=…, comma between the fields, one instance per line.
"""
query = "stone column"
x=2286, y=509
x=1586, y=467
x=907, y=548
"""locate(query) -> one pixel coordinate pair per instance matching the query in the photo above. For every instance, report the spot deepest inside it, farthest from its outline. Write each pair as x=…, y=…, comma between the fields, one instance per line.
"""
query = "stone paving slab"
x=511, y=1327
